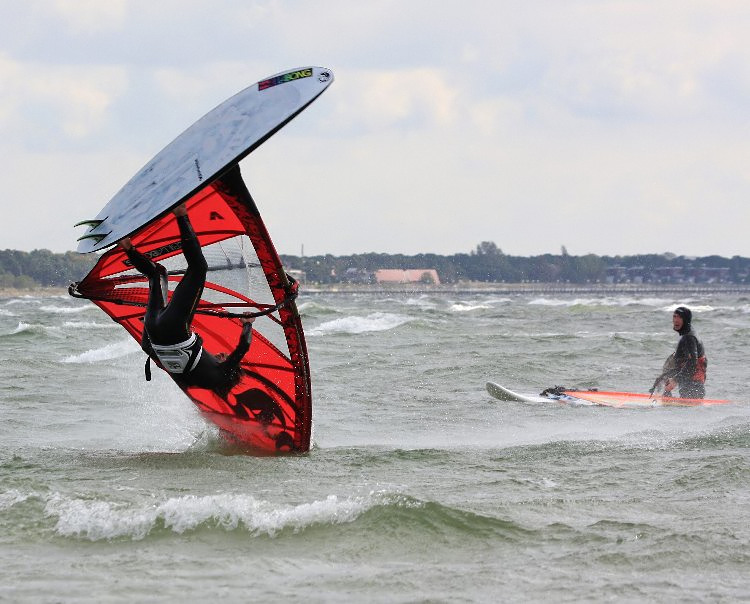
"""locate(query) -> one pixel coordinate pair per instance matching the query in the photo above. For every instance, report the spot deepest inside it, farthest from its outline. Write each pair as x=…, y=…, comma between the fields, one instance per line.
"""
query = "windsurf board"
x=626, y=400
x=203, y=152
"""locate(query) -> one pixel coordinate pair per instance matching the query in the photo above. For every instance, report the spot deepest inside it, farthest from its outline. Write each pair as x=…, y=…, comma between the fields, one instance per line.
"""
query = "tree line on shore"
x=25, y=270
x=487, y=263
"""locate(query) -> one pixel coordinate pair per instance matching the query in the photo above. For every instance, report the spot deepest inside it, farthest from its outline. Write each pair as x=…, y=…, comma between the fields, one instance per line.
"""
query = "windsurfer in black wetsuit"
x=686, y=367
x=167, y=337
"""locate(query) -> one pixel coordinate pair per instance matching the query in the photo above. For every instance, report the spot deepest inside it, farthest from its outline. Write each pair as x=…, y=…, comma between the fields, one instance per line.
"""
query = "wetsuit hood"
x=687, y=317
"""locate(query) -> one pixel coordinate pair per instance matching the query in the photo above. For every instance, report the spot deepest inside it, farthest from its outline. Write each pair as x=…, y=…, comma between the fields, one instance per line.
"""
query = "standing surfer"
x=686, y=367
x=167, y=337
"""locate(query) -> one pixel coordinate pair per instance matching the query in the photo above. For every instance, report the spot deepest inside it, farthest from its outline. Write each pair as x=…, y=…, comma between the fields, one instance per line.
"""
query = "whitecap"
x=96, y=520
x=460, y=307
x=311, y=307
x=89, y=325
x=656, y=302
x=378, y=321
x=423, y=302
x=21, y=328
x=695, y=309
x=11, y=498
x=603, y=301
x=22, y=300
x=105, y=353
x=551, y=302
x=66, y=310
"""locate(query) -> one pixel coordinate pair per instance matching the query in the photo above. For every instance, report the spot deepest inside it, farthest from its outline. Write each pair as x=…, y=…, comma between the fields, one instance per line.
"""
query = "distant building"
x=413, y=275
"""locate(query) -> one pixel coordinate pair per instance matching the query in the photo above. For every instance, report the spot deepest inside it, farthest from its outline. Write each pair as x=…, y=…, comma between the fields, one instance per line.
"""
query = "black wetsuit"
x=690, y=365
x=168, y=324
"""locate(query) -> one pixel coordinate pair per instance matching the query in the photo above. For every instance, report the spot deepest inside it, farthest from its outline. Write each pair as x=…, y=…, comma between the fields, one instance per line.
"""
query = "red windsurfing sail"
x=269, y=410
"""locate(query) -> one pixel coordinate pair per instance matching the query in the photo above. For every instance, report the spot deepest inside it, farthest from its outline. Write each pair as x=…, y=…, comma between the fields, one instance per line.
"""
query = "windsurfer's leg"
x=692, y=390
x=155, y=273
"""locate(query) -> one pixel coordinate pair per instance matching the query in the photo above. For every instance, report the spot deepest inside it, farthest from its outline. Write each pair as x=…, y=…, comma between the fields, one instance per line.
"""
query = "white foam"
x=89, y=325
x=21, y=328
x=461, y=307
x=11, y=498
x=105, y=353
x=656, y=302
x=66, y=310
x=551, y=302
x=6, y=313
x=603, y=301
x=311, y=308
x=694, y=309
x=96, y=520
x=422, y=302
x=378, y=321
x=22, y=300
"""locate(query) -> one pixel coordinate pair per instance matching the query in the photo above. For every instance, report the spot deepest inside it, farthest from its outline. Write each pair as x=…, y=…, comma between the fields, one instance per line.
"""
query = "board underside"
x=203, y=152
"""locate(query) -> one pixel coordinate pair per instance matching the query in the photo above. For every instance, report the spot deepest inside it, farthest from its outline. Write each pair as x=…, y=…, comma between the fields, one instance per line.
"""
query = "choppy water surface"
x=419, y=487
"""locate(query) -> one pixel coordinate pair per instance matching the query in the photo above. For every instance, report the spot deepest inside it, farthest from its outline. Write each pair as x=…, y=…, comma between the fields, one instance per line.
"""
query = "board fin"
x=96, y=237
x=92, y=223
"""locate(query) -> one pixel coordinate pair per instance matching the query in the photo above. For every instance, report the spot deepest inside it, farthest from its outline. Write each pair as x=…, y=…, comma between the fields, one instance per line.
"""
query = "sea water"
x=419, y=486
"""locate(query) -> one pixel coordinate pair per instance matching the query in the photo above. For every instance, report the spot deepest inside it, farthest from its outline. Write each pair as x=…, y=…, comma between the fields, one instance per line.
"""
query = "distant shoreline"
x=463, y=288
x=524, y=288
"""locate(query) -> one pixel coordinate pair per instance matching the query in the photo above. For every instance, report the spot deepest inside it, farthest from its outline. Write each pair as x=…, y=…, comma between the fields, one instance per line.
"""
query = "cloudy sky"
x=607, y=126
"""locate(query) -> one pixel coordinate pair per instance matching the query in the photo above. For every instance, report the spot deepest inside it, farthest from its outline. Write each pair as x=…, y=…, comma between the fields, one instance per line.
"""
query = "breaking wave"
x=67, y=310
x=115, y=350
x=377, y=513
x=97, y=520
x=378, y=321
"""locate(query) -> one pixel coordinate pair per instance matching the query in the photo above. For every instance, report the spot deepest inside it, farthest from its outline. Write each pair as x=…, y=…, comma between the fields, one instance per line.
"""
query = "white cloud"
x=54, y=102
x=86, y=16
x=621, y=121
x=407, y=99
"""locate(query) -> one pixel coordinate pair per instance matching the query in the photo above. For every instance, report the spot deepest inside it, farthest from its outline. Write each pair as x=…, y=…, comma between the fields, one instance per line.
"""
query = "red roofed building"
x=414, y=275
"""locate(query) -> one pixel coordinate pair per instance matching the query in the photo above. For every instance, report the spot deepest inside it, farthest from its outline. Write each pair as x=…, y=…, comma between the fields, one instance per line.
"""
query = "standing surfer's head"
x=681, y=319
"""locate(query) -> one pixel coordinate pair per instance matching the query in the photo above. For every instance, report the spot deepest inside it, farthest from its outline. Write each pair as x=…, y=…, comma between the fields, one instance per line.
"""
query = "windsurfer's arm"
x=142, y=264
x=244, y=344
